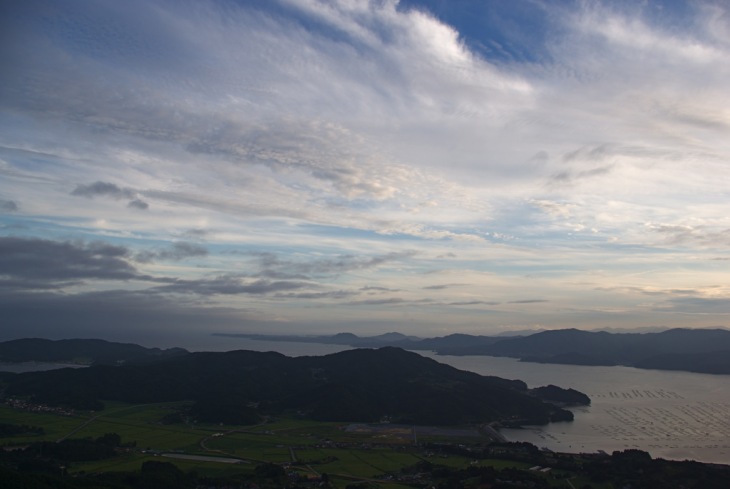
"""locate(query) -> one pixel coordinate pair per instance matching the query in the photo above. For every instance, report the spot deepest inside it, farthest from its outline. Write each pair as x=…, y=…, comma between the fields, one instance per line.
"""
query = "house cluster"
x=33, y=407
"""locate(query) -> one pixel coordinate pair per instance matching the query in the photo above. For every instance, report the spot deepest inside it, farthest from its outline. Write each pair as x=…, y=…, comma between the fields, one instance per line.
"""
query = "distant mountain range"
x=693, y=350
x=81, y=352
x=456, y=340
x=363, y=385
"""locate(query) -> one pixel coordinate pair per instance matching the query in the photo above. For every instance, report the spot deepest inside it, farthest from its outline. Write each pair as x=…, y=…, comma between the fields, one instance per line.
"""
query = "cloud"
x=702, y=293
x=195, y=233
x=181, y=251
x=177, y=251
x=474, y=303
x=117, y=315
x=138, y=204
x=38, y=263
x=378, y=302
x=8, y=206
x=230, y=285
x=442, y=286
x=336, y=161
x=335, y=294
x=112, y=191
x=374, y=288
x=697, y=305
x=103, y=189
x=687, y=235
x=274, y=266
x=555, y=209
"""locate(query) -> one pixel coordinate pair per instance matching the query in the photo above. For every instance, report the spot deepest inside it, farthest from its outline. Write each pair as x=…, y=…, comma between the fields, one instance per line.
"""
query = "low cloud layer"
x=110, y=190
x=103, y=189
x=8, y=206
x=45, y=264
x=176, y=251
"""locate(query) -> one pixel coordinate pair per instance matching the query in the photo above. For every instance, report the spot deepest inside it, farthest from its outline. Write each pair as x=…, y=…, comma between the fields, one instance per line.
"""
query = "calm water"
x=672, y=415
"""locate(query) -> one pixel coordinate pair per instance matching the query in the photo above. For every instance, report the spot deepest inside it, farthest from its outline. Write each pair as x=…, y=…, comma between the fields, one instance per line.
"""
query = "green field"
x=308, y=447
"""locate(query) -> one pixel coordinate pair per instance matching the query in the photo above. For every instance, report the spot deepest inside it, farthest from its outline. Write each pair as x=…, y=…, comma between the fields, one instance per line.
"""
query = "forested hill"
x=693, y=350
x=356, y=385
x=81, y=351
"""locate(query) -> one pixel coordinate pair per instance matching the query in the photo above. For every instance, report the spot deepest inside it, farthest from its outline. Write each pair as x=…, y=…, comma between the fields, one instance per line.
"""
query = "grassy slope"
x=269, y=442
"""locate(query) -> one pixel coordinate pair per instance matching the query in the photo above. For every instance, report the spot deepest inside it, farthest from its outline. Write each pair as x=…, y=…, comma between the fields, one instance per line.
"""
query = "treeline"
x=568, y=397
x=44, y=474
x=628, y=468
x=70, y=450
x=8, y=429
x=152, y=475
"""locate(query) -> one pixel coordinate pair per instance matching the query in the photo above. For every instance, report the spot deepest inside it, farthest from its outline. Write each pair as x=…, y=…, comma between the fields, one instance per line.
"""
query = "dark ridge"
x=356, y=385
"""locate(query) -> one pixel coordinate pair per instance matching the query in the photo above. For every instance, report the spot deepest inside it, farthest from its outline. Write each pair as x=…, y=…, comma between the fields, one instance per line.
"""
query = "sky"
x=319, y=166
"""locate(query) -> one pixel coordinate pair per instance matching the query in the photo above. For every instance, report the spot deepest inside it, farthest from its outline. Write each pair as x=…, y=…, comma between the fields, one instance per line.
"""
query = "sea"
x=672, y=415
